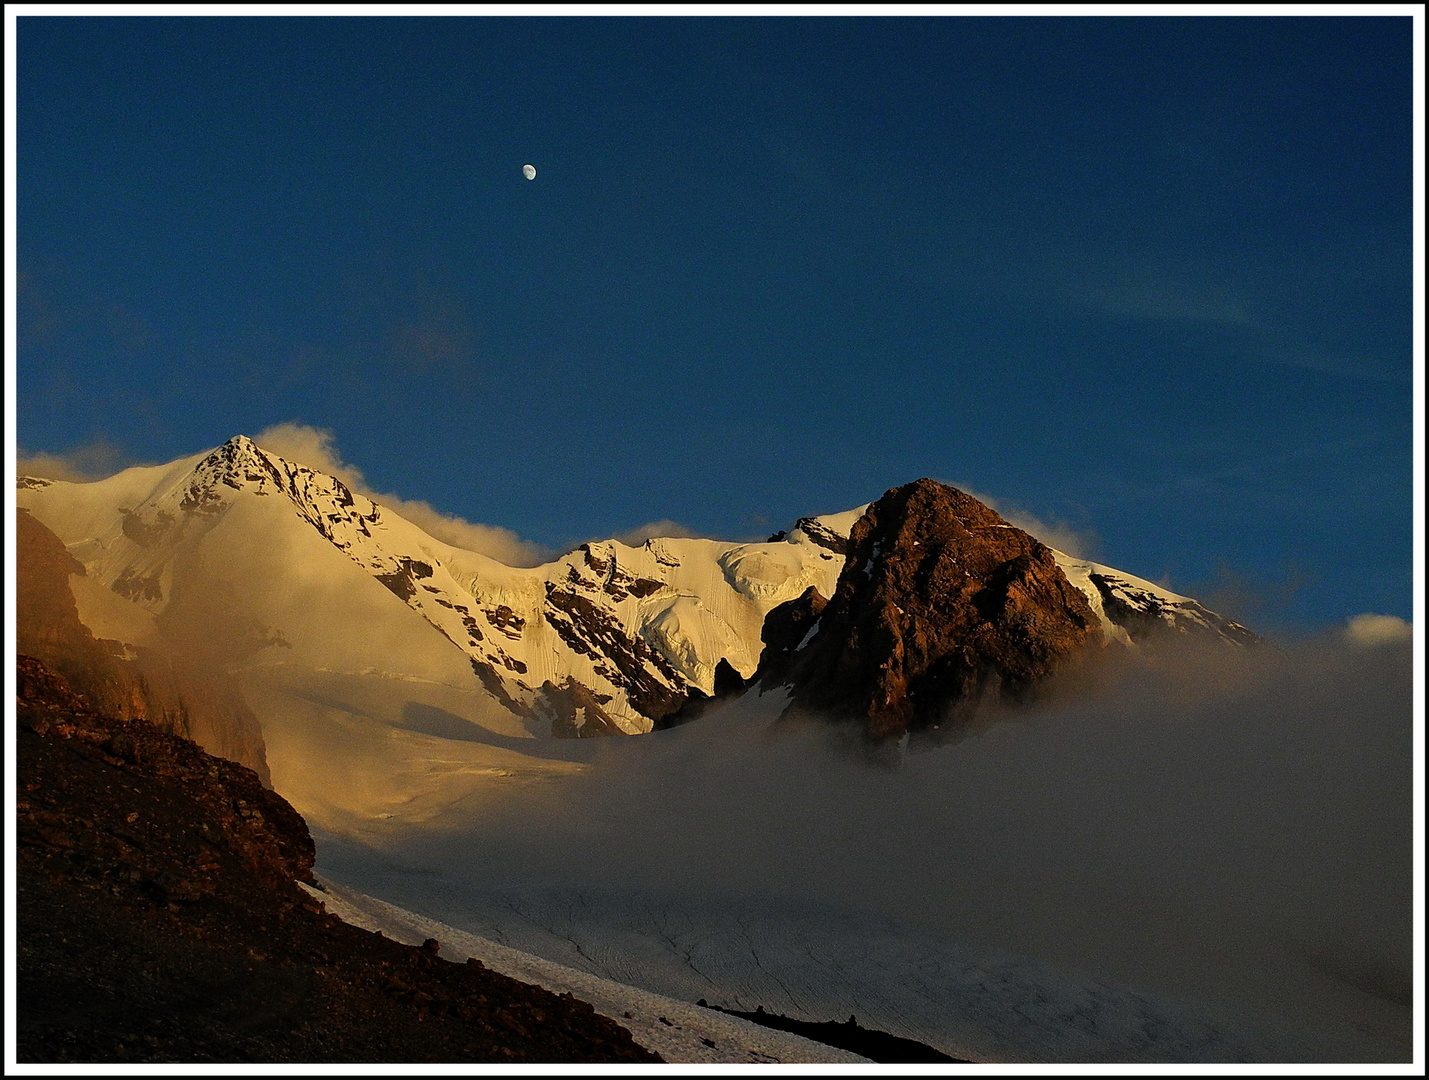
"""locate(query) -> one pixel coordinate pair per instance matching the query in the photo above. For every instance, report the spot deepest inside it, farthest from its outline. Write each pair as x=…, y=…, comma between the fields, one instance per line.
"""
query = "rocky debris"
x=159, y=920
x=652, y=685
x=402, y=580
x=615, y=581
x=822, y=535
x=940, y=604
x=507, y=621
x=140, y=588
x=178, y=694
x=496, y=687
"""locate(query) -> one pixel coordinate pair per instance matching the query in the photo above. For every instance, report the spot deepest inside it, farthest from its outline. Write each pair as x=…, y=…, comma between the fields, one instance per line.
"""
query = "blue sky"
x=1150, y=279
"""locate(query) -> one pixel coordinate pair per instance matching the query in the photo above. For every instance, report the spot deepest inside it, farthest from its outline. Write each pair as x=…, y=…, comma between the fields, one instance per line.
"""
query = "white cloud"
x=314, y=448
x=664, y=527
x=1370, y=629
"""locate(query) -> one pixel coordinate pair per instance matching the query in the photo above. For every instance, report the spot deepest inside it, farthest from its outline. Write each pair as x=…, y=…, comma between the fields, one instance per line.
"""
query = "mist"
x=1231, y=825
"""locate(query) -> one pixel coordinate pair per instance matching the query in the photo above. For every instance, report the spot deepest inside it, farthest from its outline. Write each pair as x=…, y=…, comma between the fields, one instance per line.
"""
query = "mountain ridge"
x=621, y=637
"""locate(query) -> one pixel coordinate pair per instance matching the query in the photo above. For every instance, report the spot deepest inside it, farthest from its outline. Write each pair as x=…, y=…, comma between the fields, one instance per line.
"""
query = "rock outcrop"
x=787, y=629
x=180, y=694
x=940, y=605
x=575, y=712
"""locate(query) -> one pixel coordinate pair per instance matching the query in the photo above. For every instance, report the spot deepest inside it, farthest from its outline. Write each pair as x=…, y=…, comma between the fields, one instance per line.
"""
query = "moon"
x=529, y=171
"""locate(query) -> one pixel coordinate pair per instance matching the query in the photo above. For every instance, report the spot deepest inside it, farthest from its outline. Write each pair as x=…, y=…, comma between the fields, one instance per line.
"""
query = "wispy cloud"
x=94, y=460
x=1165, y=300
x=1360, y=366
x=437, y=332
x=1079, y=542
x=315, y=448
x=1138, y=290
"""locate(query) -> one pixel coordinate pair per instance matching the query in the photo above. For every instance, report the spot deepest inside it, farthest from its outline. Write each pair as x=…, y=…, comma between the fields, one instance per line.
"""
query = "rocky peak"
x=940, y=603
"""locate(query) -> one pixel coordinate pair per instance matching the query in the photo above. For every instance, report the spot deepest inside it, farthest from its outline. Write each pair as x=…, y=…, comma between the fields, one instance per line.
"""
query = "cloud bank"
x=1235, y=827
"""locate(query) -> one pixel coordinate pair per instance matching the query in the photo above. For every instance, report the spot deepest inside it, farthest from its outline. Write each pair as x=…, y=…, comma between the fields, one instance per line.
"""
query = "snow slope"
x=640, y=628
x=680, y=1032
x=1132, y=609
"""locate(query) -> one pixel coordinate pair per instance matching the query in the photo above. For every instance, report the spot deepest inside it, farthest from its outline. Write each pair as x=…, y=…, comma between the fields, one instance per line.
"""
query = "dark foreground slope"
x=160, y=920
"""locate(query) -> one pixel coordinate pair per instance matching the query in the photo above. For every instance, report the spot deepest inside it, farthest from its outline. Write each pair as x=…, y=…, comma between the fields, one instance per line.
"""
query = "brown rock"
x=941, y=604
x=785, y=629
x=576, y=712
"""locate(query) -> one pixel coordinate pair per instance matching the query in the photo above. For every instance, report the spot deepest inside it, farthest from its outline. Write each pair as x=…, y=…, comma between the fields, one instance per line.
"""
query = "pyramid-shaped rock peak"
x=940, y=603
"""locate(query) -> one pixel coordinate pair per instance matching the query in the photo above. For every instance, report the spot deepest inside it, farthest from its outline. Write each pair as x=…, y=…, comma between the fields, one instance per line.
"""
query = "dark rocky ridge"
x=785, y=630
x=875, y=1045
x=941, y=604
x=160, y=920
x=176, y=690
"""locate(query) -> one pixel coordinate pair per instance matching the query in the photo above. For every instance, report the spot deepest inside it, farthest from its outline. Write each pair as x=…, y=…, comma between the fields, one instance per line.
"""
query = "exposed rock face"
x=786, y=630
x=575, y=711
x=940, y=603
x=180, y=695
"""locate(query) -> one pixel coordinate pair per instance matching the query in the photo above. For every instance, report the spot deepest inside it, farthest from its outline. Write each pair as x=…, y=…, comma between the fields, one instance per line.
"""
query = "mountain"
x=608, y=636
x=391, y=672
x=940, y=602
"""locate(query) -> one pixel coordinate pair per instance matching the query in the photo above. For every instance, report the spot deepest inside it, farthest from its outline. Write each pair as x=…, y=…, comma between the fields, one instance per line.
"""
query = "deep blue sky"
x=1149, y=277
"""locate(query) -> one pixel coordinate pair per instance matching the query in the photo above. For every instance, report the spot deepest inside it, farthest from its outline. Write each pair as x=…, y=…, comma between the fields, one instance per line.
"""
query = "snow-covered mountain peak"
x=605, y=638
x=616, y=635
